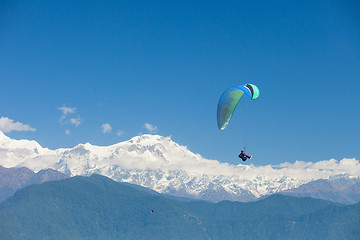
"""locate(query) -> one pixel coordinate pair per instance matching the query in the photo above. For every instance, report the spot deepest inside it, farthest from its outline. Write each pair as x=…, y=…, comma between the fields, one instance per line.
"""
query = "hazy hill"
x=99, y=208
x=342, y=190
x=93, y=208
x=13, y=179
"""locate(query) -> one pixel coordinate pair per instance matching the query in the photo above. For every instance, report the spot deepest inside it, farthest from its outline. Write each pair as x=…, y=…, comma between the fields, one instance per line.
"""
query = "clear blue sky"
x=166, y=63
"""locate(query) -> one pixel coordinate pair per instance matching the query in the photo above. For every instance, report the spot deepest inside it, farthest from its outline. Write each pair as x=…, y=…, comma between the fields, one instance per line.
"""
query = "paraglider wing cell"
x=255, y=93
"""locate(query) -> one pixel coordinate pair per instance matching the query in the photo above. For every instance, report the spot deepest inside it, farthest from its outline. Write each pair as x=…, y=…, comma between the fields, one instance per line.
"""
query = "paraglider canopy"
x=229, y=100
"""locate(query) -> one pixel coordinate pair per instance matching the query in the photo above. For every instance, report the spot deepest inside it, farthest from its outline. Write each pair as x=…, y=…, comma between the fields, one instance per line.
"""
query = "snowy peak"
x=149, y=139
x=22, y=153
x=29, y=145
x=155, y=145
x=3, y=137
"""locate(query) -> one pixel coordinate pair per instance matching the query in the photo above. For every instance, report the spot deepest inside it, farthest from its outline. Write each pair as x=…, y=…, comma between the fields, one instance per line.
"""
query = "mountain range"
x=160, y=164
x=97, y=207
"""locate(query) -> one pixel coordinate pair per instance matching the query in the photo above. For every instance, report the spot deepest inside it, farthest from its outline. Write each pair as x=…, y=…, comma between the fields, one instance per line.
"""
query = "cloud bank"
x=307, y=170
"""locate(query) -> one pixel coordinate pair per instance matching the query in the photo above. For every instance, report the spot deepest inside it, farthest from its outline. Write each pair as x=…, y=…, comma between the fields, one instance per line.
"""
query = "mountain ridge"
x=162, y=165
x=13, y=179
x=342, y=190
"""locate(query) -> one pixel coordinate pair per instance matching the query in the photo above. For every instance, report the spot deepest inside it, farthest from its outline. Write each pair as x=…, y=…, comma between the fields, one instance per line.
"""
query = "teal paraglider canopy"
x=229, y=100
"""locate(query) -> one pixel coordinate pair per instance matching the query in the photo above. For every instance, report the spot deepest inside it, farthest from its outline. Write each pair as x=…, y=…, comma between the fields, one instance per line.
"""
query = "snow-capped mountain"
x=160, y=164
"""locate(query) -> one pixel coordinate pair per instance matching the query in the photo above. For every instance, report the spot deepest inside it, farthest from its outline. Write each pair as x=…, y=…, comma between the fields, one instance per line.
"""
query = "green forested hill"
x=99, y=208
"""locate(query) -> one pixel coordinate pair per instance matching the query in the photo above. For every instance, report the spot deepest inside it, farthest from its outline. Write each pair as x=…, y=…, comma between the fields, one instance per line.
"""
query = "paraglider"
x=228, y=102
x=244, y=156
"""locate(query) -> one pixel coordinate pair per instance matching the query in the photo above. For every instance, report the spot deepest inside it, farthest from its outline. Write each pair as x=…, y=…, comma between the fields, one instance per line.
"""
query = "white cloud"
x=106, y=128
x=151, y=128
x=75, y=121
x=67, y=132
x=119, y=133
x=66, y=111
x=8, y=125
